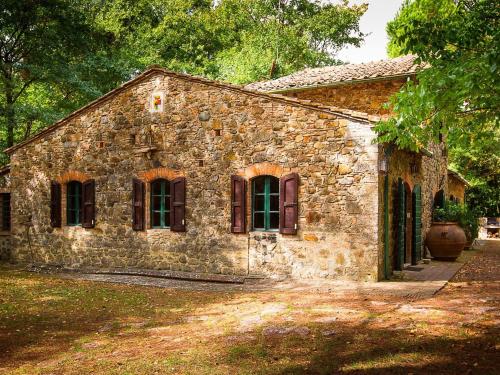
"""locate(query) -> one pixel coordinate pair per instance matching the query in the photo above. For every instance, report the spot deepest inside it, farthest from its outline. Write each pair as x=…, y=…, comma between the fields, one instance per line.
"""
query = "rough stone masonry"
x=206, y=132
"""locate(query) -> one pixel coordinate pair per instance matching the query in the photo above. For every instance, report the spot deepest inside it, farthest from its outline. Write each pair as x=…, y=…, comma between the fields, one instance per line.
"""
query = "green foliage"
x=486, y=197
x=239, y=41
x=52, y=60
x=478, y=159
x=459, y=90
x=451, y=211
x=469, y=221
x=281, y=37
x=457, y=94
x=466, y=216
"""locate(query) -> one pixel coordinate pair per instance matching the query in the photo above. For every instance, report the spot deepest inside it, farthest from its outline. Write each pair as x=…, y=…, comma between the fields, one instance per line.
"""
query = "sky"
x=373, y=21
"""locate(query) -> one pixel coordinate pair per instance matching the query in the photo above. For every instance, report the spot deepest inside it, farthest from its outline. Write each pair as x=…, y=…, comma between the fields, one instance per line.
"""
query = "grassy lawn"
x=50, y=325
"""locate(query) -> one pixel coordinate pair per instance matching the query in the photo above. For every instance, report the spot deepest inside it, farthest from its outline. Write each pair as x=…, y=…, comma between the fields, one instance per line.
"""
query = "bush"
x=450, y=211
x=466, y=217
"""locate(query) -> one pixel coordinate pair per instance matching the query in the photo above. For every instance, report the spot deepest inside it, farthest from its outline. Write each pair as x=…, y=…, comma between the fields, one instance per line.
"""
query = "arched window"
x=74, y=203
x=160, y=203
x=265, y=203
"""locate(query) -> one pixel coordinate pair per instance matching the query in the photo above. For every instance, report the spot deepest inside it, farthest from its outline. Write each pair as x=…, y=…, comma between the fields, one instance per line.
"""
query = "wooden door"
x=417, y=225
x=408, y=223
x=401, y=230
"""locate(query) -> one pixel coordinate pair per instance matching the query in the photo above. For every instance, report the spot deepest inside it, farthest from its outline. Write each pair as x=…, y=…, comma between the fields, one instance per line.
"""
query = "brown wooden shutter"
x=238, y=204
x=88, y=204
x=55, y=205
x=138, y=193
x=178, y=204
x=288, y=203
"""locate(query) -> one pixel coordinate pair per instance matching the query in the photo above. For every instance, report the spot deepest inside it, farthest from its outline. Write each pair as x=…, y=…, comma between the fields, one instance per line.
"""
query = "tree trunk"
x=10, y=115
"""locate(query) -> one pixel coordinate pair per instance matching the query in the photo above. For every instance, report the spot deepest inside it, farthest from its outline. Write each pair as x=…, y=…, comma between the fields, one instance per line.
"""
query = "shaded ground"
x=50, y=325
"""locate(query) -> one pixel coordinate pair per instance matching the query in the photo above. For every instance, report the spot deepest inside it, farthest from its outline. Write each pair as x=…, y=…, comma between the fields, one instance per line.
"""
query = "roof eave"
x=340, y=83
x=459, y=177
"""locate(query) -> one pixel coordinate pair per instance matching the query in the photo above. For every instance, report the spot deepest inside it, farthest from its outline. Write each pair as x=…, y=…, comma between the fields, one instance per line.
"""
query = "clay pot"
x=445, y=240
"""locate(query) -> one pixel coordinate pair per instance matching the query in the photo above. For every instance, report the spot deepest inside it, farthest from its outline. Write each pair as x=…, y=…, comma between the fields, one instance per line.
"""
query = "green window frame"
x=265, y=203
x=73, y=203
x=160, y=204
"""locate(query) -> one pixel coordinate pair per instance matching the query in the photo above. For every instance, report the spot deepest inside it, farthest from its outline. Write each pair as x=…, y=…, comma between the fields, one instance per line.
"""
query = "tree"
x=459, y=42
x=239, y=41
x=457, y=93
x=478, y=159
x=283, y=36
x=31, y=36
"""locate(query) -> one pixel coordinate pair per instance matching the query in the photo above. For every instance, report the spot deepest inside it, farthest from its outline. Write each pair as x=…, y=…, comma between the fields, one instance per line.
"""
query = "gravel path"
x=485, y=266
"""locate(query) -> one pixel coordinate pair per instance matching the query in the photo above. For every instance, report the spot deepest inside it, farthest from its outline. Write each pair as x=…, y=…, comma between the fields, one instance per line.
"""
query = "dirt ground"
x=54, y=325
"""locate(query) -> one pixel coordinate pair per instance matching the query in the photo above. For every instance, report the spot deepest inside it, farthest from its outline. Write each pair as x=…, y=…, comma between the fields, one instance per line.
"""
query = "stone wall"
x=207, y=132
x=430, y=172
x=364, y=96
x=5, y=246
x=456, y=188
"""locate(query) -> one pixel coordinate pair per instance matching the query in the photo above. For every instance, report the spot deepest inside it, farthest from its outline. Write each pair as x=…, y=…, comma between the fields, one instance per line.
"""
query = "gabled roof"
x=313, y=77
x=458, y=177
x=340, y=112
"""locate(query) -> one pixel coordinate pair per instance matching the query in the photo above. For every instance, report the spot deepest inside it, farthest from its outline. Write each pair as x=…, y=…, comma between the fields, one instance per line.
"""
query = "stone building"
x=457, y=185
x=174, y=172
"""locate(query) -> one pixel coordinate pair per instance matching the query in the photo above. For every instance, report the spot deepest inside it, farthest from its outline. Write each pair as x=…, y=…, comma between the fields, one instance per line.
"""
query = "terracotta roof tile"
x=401, y=66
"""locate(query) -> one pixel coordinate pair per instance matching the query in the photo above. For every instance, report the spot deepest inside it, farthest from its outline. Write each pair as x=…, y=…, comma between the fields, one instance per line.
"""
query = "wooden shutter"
x=55, y=204
x=88, y=204
x=138, y=196
x=178, y=205
x=400, y=256
x=238, y=204
x=417, y=225
x=289, y=214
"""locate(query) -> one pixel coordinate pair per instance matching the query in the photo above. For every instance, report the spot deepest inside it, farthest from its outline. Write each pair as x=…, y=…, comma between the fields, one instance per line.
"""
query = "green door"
x=417, y=225
x=400, y=256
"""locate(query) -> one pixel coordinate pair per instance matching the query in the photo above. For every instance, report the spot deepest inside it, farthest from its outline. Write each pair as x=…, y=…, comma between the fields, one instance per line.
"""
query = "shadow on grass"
x=41, y=315
x=367, y=351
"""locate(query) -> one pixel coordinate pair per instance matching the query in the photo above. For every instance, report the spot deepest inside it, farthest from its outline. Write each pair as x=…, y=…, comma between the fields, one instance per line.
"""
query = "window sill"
x=158, y=229
x=264, y=231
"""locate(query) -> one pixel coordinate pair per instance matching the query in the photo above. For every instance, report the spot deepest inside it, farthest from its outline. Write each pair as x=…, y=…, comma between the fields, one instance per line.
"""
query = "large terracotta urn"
x=445, y=240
